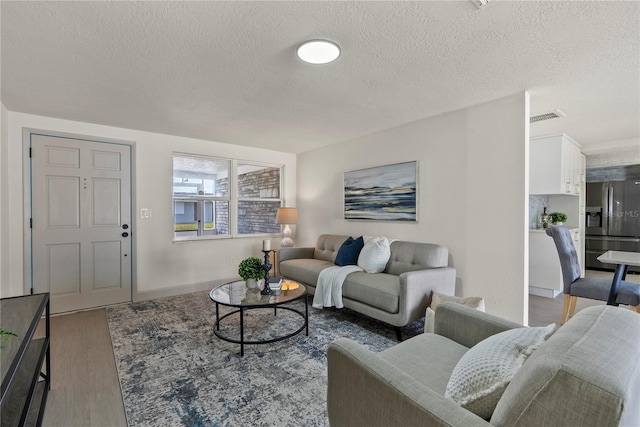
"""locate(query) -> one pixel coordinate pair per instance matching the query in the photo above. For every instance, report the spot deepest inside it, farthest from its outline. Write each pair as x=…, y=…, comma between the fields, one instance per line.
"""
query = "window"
x=258, y=199
x=200, y=197
x=206, y=204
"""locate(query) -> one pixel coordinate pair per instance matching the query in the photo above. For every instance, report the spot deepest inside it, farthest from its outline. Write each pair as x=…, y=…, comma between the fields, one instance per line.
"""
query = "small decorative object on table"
x=275, y=283
x=558, y=218
x=250, y=269
x=267, y=267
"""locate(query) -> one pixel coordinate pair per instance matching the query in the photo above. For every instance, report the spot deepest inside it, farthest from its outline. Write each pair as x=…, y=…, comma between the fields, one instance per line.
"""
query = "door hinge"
x=29, y=152
x=30, y=222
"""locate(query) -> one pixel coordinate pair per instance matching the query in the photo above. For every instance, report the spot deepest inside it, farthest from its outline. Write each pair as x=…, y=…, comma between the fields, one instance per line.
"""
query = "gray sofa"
x=397, y=296
x=586, y=374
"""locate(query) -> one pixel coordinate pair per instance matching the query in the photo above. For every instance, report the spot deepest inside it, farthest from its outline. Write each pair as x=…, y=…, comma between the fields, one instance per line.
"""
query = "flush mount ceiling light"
x=318, y=51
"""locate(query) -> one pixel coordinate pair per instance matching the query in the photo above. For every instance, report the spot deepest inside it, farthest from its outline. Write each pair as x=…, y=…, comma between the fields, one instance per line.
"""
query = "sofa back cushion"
x=586, y=374
x=327, y=247
x=411, y=256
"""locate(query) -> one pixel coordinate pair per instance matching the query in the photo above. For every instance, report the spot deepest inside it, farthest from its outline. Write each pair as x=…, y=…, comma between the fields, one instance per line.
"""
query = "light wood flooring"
x=85, y=388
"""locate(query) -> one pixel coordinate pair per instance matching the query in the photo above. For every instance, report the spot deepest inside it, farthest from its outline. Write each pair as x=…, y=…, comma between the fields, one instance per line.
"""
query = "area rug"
x=174, y=371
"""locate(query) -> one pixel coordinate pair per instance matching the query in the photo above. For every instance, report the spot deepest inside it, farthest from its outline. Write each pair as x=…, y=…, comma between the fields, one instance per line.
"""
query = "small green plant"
x=251, y=268
x=558, y=217
x=6, y=335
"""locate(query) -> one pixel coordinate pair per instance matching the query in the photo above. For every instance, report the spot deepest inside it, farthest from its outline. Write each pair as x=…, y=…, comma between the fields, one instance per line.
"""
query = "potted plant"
x=250, y=269
x=558, y=218
x=6, y=335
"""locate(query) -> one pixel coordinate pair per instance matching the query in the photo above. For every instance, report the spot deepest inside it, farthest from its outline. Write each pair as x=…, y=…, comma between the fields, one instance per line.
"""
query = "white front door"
x=81, y=221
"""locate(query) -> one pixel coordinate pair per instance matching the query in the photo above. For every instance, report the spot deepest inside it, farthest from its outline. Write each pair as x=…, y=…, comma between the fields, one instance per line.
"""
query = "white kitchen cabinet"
x=545, y=274
x=555, y=165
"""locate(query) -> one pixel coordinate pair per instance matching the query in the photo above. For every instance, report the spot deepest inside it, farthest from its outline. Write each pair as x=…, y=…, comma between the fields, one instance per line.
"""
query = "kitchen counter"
x=545, y=274
x=542, y=230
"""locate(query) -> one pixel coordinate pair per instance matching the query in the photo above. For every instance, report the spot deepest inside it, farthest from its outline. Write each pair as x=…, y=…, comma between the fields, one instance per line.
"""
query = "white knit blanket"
x=329, y=286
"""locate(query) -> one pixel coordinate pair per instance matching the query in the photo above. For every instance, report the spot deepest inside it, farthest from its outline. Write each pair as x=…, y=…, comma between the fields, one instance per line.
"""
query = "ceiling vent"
x=548, y=116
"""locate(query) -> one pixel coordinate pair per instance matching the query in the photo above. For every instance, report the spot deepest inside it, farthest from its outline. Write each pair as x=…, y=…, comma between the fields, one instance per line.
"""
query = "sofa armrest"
x=364, y=390
x=294, y=253
x=466, y=325
x=417, y=286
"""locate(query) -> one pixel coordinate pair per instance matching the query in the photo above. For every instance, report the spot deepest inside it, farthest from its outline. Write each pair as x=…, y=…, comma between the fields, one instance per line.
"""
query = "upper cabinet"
x=555, y=165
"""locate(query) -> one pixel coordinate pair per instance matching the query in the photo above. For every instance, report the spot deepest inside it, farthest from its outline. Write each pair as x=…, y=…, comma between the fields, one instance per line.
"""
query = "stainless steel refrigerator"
x=613, y=220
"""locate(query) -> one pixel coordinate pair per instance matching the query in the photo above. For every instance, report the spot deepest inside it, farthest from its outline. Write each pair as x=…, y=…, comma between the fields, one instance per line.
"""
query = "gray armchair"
x=592, y=288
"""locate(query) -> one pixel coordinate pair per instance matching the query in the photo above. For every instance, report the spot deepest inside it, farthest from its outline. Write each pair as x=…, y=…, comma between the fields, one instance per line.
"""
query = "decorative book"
x=275, y=282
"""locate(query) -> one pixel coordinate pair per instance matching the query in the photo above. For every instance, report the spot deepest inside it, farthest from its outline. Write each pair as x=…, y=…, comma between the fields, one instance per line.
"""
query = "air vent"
x=548, y=116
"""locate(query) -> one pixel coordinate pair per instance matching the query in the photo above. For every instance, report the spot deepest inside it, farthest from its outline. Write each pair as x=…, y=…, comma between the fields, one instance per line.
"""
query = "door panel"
x=105, y=160
x=106, y=265
x=63, y=268
x=63, y=157
x=63, y=201
x=80, y=200
x=106, y=202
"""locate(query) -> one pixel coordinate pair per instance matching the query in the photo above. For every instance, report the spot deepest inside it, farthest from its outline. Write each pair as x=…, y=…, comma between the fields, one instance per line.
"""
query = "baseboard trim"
x=542, y=292
x=179, y=290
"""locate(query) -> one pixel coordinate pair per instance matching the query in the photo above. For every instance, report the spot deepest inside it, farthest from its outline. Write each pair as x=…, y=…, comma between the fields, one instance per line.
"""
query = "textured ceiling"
x=227, y=71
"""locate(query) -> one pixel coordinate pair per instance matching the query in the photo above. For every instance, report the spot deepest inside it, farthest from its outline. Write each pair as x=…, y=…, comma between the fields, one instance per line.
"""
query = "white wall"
x=163, y=267
x=5, y=288
x=473, y=195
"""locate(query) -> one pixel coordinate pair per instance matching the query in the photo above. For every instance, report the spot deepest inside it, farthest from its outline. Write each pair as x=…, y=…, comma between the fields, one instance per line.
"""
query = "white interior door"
x=81, y=218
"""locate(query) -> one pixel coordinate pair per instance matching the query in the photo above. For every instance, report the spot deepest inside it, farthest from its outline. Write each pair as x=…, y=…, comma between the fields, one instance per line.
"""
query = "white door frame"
x=26, y=144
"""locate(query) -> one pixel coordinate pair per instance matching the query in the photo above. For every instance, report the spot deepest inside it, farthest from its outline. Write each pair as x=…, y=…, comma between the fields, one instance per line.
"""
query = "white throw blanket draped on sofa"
x=329, y=286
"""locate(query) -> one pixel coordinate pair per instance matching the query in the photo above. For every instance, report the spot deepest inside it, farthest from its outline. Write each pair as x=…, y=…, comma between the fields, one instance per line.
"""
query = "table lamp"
x=287, y=216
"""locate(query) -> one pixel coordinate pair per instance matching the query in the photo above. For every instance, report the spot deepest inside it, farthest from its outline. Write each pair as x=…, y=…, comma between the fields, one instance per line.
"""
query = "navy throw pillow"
x=349, y=251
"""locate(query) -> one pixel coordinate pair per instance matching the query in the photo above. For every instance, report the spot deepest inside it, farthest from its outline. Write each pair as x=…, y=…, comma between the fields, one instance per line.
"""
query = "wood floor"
x=85, y=388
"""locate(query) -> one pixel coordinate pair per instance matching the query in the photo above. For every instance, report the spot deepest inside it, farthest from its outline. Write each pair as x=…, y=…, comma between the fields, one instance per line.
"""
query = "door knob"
x=125, y=234
x=125, y=226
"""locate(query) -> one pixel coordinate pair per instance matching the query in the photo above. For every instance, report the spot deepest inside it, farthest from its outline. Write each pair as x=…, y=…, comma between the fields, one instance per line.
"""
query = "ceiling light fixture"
x=318, y=51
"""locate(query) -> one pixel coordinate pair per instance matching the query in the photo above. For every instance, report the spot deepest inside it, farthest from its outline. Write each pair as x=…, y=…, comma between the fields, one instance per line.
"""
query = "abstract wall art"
x=387, y=193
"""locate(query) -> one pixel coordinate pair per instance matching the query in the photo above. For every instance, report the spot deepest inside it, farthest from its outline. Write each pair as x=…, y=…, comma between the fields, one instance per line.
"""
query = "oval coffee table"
x=237, y=294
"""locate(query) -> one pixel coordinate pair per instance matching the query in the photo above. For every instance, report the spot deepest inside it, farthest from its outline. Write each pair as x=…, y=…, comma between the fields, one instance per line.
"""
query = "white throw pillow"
x=436, y=299
x=374, y=256
x=482, y=374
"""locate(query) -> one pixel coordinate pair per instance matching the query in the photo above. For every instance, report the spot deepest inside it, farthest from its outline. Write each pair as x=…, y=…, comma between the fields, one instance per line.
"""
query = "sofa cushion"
x=303, y=270
x=327, y=247
x=428, y=358
x=349, y=251
x=586, y=374
x=412, y=256
x=377, y=290
x=374, y=256
x=482, y=374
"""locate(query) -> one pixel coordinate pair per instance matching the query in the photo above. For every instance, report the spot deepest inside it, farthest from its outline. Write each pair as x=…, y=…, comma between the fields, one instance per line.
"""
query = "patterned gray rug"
x=175, y=372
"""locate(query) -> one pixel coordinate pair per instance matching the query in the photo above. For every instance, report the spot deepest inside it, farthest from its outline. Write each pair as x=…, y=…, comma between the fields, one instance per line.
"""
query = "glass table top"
x=238, y=294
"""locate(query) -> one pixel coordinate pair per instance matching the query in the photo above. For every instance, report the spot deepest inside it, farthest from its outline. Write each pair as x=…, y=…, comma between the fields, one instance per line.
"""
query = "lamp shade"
x=287, y=216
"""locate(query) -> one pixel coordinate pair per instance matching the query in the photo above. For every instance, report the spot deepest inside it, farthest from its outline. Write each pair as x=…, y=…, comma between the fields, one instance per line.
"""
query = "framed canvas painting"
x=387, y=193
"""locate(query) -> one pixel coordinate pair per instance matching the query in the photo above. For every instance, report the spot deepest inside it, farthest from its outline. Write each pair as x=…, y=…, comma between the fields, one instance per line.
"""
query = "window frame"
x=232, y=197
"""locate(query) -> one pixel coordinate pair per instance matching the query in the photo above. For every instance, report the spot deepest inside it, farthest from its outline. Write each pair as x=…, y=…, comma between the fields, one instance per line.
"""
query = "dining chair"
x=587, y=287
